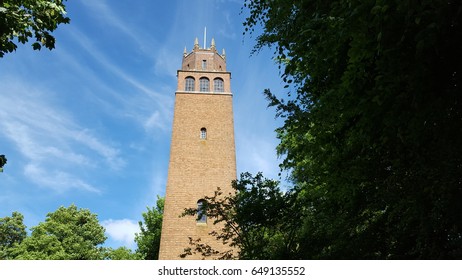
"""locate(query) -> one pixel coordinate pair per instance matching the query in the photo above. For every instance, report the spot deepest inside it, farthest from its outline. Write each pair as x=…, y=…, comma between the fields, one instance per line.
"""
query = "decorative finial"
x=196, y=43
x=223, y=54
x=213, y=43
x=184, y=52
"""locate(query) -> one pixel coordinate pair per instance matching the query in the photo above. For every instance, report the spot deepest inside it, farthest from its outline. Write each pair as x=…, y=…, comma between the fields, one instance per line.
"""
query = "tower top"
x=204, y=59
x=198, y=48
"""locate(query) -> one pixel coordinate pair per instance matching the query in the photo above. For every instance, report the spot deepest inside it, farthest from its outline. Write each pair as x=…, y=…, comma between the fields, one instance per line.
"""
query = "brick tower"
x=202, y=152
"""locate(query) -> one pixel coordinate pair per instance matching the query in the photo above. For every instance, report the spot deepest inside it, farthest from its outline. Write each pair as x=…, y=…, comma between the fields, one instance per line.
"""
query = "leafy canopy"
x=373, y=122
x=67, y=234
x=259, y=221
x=148, y=240
x=21, y=20
x=12, y=233
x=121, y=253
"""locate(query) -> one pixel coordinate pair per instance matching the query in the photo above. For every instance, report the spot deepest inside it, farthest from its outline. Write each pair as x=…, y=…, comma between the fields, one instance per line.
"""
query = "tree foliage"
x=259, y=221
x=21, y=20
x=121, y=253
x=12, y=233
x=373, y=122
x=67, y=234
x=2, y=162
x=148, y=240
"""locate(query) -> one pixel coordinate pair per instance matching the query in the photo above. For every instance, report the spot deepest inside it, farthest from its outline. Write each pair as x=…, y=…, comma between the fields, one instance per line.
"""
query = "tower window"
x=201, y=214
x=204, y=64
x=189, y=84
x=204, y=84
x=218, y=85
x=203, y=133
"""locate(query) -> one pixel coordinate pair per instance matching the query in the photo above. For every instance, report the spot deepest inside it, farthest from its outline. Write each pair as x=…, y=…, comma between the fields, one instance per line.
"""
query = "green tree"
x=121, y=253
x=12, y=233
x=67, y=234
x=373, y=122
x=24, y=19
x=259, y=221
x=2, y=162
x=148, y=240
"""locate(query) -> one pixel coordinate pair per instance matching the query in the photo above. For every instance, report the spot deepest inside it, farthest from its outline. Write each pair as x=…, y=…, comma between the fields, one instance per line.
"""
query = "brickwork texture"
x=197, y=166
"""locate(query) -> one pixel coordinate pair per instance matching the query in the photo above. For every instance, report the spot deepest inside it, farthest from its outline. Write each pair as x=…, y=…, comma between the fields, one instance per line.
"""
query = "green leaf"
x=36, y=46
x=23, y=17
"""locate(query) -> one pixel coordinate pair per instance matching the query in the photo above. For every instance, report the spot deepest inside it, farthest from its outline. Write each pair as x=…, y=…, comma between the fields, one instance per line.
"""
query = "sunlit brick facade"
x=202, y=152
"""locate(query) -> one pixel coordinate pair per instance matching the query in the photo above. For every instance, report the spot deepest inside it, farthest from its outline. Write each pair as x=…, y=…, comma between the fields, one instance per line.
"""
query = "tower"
x=202, y=152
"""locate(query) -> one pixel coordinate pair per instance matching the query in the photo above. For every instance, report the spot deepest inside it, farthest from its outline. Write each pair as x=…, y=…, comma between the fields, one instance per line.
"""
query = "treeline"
x=75, y=234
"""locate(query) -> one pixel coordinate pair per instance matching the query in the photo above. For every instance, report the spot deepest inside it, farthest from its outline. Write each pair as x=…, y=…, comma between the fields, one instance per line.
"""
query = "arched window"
x=189, y=84
x=203, y=133
x=218, y=85
x=201, y=214
x=204, y=84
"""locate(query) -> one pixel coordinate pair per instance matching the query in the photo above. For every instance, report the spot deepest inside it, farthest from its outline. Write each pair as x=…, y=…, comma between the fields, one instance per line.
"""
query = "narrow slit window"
x=201, y=214
x=204, y=64
x=203, y=134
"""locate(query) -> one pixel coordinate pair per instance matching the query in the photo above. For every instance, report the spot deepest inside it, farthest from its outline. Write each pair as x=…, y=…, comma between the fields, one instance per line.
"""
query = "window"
x=204, y=64
x=204, y=84
x=189, y=84
x=201, y=215
x=218, y=85
x=203, y=133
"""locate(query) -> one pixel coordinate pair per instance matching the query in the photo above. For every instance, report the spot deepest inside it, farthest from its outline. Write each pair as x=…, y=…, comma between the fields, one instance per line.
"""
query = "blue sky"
x=89, y=122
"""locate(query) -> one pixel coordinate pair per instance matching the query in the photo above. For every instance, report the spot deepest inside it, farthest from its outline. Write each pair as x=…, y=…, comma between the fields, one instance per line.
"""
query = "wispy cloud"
x=142, y=103
x=106, y=15
x=226, y=29
x=260, y=155
x=49, y=139
x=155, y=121
x=87, y=44
x=167, y=61
x=58, y=180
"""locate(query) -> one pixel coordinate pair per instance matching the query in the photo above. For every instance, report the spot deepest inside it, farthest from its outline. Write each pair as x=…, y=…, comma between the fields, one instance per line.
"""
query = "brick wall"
x=197, y=167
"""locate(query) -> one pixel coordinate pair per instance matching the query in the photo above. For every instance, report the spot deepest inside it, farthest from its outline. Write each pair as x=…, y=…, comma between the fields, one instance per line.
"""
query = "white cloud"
x=260, y=156
x=57, y=180
x=109, y=153
x=50, y=140
x=106, y=15
x=226, y=29
x=143, y=99
x=122, y=231
x=168, y=61
x=156, y=120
